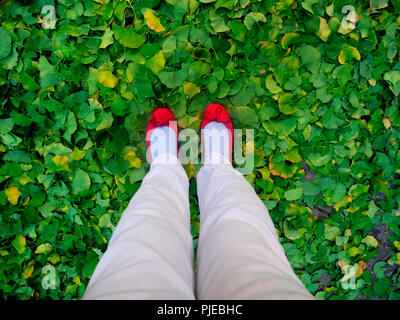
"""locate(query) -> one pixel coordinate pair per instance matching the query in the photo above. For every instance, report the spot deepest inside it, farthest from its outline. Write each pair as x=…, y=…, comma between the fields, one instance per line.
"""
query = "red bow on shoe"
x=216, y=112
x=161, y=117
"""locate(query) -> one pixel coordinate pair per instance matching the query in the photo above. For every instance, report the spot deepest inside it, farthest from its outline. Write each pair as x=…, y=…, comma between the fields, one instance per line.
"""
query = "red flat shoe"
x=160, y=117
x=216, y=112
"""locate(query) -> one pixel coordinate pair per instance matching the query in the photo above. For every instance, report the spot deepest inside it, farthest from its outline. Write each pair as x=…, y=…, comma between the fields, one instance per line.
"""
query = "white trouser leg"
x=150, y=255
x=239, y=254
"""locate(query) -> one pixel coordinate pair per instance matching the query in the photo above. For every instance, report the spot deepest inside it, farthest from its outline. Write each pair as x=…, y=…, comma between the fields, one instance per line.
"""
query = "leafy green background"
x=323, y=100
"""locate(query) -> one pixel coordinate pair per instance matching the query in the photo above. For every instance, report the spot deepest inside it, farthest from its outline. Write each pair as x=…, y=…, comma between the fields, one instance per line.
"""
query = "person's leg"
x=239, y=254
x=150, y=255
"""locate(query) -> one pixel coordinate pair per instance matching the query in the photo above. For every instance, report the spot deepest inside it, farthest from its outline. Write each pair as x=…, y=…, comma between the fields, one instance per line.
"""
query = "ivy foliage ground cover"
x=322, y=98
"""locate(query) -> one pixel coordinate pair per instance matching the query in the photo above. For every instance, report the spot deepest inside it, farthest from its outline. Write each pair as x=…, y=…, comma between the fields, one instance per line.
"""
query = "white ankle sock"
x=163, y=143
x=216, y=143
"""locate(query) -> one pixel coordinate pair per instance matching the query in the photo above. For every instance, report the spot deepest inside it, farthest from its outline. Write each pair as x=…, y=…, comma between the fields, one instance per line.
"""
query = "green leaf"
x=290, y=232
x=286, y=104
x=5, y=43
x=378, y=4
x=343, y=74
x=271, y=85
x=370, y=240
x=244, y=96
x=48, y=75
x=127, y=37
x=335, y=193
x=393, y=78
x=331, y=232
x=217, y=22
x=383, y=286
x=238, y=30
x=6, y=125
x=310, y=189
x=311, y=57
x=104, y=220
x=17, y=156
x=318, y=159
x=156, y=63
x=245, y=115
x=308, y=4
x=80, y=182
x=372, y=209
x=252, y=18
x=106, y=120
x=173, y=79
x=293, y=194
x=107, y=38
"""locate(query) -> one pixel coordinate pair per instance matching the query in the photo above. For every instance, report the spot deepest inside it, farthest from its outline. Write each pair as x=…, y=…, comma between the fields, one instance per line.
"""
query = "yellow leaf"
x=24, y=179
x=106, y=77
x=76, y=280
x=54, y=258
x=347, y=53
x=77, y=154
x=132, y=159
x=61, y=162
x=330, y=289
x=353, y=208
x=71, y=289
x=289, y=39
x=27, y=273
x=354, y=36
x=43, y=248
x=194, y=4
x=343, y=202
x=104, y=192
x=3, y=253
x=191, y=89
x=265, y=173
x=307, y=132
x=13, y=194
x=19, y=243
x=189, y=168
x=360, y=268
x=397, y=244
x=353, y=251
x=330, y=9
x=152, y=21
x=324, y=30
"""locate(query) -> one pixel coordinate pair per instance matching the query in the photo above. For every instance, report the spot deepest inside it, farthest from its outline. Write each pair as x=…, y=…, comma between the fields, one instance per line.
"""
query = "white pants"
x=150, y=255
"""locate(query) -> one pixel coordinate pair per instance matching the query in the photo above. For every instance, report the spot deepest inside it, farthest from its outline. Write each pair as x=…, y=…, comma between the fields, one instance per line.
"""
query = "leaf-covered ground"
x=321, y=93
